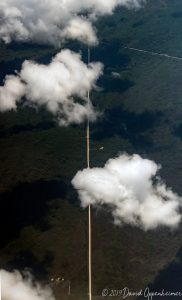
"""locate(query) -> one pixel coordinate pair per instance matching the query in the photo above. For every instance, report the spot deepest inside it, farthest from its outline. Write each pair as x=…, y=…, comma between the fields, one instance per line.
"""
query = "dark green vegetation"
x=44, y=227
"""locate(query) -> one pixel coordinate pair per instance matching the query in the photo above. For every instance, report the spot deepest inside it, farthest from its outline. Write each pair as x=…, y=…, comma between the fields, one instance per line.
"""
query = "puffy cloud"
x=11, y=92
x=44, y=20
x=130, y=187
x=86, y=34
x=54, y=86
x=16, y=287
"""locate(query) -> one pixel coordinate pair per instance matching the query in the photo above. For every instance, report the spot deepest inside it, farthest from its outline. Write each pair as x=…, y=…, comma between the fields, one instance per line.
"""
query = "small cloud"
x=130, y=187
x=80, y=29
x=15, y=286
x=115, y=75
x=45, y=21
x=55, y=86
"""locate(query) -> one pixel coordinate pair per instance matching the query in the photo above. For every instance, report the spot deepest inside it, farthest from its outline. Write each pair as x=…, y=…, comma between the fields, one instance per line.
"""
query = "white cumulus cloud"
x=66, y=78
x=130, y=187
x=11, y=92
x=55, y=86
x=16, y=287
x=44, y=21
x=80, y=29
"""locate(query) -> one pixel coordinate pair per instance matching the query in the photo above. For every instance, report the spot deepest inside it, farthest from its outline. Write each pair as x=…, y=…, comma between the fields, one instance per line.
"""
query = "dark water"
x=26, y=204
x=128, y=125
x=170, y=279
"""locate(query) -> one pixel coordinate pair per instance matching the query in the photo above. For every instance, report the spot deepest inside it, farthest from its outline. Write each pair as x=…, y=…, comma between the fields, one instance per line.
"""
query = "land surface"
x=43, y=226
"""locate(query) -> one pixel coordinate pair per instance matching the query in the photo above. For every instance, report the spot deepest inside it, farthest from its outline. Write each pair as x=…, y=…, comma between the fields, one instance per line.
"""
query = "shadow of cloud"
x=114, y=85
x=177, y=14
x=26, y=204
x=26, y=127
x=9, y=68
x=177, y=131
x=108, y=53
x=128, y=125
x=26, y=261
x=170, y=278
